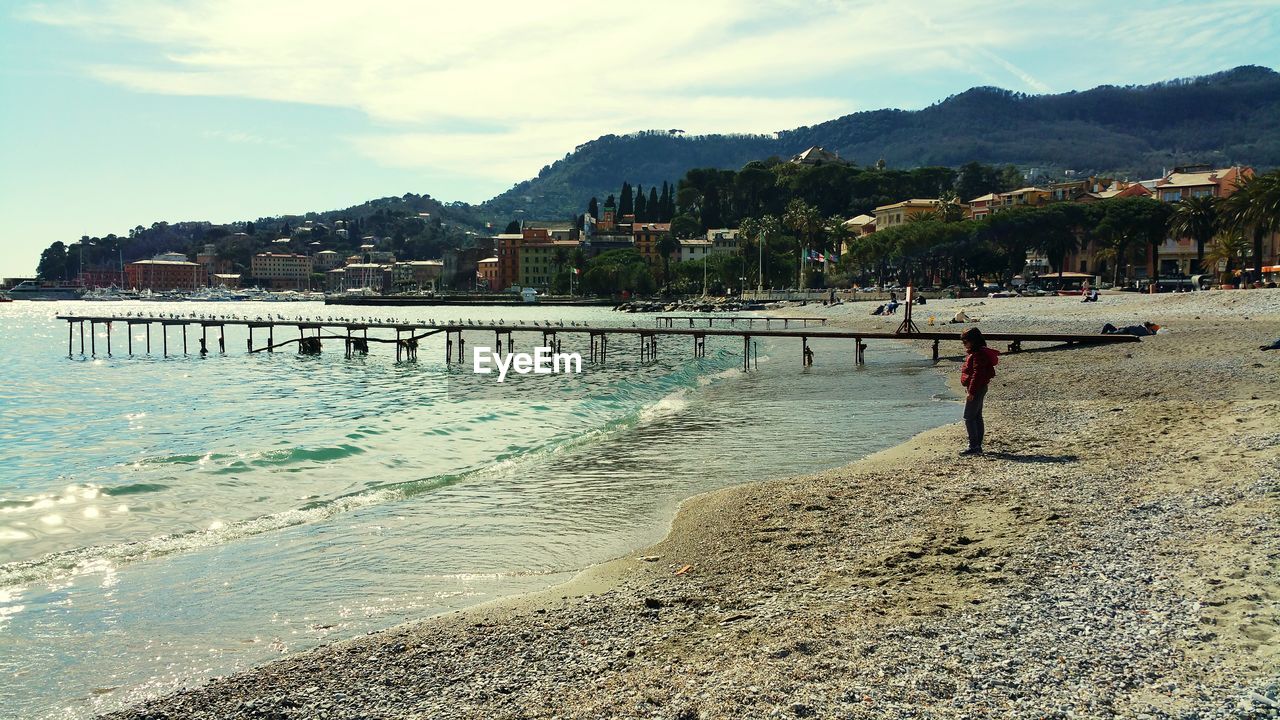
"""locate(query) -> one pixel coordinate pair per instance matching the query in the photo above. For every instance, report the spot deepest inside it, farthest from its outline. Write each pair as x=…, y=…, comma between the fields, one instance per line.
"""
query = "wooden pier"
x=733, y=320
x=310, y=334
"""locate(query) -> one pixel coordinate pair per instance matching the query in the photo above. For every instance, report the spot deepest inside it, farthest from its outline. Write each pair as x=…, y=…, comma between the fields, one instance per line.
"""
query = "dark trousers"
x=973, y=418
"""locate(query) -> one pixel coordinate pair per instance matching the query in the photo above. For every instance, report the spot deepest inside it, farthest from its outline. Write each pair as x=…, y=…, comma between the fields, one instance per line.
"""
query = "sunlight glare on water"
x=163, y=521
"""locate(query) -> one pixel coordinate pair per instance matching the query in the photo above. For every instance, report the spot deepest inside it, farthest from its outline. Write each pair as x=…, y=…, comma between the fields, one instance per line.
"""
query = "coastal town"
x=794, y=251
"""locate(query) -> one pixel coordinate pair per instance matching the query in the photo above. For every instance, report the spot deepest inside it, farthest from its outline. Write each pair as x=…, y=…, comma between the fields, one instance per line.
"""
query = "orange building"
x=487, y=270
x=646, y=237
x=166, y=275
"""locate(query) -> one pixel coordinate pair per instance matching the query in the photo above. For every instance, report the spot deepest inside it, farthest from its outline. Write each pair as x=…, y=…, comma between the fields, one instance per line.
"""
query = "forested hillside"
x=1135, y=131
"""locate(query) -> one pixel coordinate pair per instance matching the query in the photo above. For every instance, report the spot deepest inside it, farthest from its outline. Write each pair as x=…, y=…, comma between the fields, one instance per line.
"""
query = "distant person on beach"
x=975, y=375
x=879, y=310
x=1273, y=346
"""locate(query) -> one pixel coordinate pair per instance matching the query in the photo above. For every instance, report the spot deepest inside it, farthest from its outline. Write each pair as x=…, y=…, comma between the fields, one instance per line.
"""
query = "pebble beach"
x=1115, y=553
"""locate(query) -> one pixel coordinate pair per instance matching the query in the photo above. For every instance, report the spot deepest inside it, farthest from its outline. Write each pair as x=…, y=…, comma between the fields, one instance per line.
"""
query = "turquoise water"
x=163, y=521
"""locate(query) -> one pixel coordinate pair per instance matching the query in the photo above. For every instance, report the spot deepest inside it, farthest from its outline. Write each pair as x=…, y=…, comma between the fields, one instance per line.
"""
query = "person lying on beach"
x=878, y=311
x=1273, y=346
x=1143, y=330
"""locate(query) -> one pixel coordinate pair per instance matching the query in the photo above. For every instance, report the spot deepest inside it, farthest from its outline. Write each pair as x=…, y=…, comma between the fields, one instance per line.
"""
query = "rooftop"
x=166, y=262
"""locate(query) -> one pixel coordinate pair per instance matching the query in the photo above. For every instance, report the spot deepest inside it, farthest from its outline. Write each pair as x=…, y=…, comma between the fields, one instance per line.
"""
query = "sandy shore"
x=1115, y=554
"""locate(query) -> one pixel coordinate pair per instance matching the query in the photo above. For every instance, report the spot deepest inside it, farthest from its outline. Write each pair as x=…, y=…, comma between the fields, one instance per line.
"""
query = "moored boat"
x=33, y=290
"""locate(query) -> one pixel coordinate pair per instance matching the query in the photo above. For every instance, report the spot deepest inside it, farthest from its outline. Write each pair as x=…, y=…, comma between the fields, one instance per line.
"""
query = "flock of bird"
x=231, y=317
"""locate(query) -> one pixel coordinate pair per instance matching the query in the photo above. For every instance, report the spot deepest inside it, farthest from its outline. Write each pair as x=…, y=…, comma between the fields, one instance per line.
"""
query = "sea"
x=164, y=521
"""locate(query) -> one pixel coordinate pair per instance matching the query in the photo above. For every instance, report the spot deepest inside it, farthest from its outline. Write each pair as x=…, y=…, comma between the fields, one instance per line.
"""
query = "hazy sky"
x=118, y=113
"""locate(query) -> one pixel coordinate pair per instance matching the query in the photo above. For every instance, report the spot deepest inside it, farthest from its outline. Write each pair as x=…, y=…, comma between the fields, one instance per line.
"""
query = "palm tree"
x=1255, y=206
x=806, y=220
x=834, y=234
x=1227, y=249
x=761, y=229
x=1196, y=218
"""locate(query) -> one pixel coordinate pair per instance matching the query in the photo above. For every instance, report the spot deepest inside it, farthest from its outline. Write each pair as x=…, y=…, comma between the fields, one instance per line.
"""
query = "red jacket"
x=978, y=369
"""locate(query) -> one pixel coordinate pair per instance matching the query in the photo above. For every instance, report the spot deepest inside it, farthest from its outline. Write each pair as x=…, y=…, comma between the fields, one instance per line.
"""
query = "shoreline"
x=1078, y=567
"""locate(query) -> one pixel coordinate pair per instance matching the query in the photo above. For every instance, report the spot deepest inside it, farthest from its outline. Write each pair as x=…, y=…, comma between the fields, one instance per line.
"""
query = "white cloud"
x=536, y=80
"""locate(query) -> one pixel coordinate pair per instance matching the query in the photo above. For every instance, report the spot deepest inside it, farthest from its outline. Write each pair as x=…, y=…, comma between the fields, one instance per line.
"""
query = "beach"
x=1114, y=554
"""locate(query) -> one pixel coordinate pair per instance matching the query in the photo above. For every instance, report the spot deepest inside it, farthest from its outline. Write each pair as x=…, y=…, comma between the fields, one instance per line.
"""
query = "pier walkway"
x=733, y=320
x=354, y=334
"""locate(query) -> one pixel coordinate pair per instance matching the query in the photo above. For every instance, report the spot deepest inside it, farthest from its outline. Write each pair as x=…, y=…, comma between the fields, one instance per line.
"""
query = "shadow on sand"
x=1032, y=458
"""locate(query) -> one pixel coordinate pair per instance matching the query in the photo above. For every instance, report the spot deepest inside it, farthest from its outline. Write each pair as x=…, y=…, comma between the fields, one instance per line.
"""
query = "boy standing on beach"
x=975, y=375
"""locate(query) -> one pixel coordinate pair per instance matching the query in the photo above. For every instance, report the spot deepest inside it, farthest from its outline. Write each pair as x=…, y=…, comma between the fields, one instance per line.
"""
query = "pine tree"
x=626, y=205
x=593, y=209
x=655, y=210
x=664, y=204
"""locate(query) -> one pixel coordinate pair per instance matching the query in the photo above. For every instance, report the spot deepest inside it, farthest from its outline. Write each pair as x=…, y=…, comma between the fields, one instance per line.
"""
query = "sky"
x=118, y=113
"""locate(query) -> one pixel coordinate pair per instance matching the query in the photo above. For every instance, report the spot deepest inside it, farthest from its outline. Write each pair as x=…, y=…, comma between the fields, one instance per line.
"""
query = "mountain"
x=1135, y=131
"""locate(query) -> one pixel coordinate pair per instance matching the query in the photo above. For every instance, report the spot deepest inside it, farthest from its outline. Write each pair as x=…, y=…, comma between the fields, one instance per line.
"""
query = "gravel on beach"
x=1115, y=553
